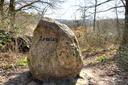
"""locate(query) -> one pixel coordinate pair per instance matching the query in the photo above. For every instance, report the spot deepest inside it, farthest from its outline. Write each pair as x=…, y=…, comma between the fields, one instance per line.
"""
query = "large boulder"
x=55, y=52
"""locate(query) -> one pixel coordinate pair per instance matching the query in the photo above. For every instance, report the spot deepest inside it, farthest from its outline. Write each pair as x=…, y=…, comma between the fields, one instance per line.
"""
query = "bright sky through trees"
x=68, y=10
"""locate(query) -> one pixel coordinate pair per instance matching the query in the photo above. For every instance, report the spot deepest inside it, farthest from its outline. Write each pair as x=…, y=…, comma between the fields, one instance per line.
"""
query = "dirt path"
x=89, y=76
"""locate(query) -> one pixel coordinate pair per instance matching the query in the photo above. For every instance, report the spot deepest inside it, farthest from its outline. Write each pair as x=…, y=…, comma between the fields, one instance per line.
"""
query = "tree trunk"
x=84, y=18
x=94, y=21
x=11, y=14
x=117, y=21
x=125, y=34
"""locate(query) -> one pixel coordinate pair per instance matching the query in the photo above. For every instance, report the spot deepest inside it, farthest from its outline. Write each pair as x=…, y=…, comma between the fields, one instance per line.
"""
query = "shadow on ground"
x=26, y=78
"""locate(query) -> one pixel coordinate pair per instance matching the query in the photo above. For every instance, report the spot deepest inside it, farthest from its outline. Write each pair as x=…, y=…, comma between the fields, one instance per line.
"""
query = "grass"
x=22, y=61
x=101, y=58
x=90, y=40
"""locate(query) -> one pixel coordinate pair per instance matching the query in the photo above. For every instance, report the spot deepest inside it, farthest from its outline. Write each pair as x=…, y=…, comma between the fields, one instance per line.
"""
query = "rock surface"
x=55, y=52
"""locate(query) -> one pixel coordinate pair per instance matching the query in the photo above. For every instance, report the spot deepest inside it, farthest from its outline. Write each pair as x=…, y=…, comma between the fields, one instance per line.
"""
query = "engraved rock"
x=55, y=52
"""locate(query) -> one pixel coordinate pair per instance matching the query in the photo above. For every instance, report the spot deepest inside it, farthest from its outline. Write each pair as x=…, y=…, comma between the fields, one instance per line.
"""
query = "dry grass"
x=9, y=60
x=91, y=41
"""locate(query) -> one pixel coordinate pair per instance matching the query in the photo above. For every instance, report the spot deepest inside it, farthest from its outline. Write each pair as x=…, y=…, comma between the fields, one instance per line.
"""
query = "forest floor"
x=100, y=68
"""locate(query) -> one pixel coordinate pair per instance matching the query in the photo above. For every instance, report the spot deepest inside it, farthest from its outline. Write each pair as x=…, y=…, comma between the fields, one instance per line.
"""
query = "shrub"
x=5, y=37
x=102, y=58
x=22, y=62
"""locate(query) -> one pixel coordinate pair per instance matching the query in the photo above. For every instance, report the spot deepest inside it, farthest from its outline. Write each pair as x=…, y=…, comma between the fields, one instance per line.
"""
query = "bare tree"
x=11, y=14
x=125, y=33
x=14, y=6
x=117, y=21
x=84, y=9
x=123, y=2
x=116, y=11
x=36, y=4
x=94, y=21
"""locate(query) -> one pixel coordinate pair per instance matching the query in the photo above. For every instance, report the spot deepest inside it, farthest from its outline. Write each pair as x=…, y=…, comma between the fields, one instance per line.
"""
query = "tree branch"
x=26, y=5
x=96, y=5
x=30, y=4
x=123, y=2
x=105, y=10
x=111, y=8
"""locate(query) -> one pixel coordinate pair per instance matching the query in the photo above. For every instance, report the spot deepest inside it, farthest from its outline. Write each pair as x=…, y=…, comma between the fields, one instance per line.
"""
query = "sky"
x=68, y=10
